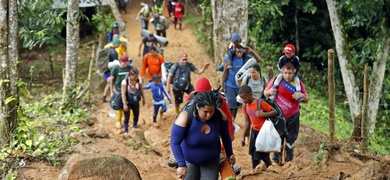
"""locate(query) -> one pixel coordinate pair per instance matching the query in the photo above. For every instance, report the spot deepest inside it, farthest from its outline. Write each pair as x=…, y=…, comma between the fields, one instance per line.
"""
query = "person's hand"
x=139, y=54
x=143, y=102
x=248, y=49
x=273, y=91
x=243, y=142
x=181, y=172
x=298, y=95
x=169, y=90
x=232, y=159
x=259, y=113
x=125, y=107
x=206, y=65
x=136, y=19
x=232, y=138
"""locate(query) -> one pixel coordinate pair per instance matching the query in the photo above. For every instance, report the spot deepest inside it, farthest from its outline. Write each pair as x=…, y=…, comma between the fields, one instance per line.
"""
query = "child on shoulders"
x=289, y=56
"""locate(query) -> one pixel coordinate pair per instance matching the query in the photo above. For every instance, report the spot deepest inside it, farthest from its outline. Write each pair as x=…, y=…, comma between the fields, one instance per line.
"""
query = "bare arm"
x=201, y=70
x=169, y=79
x=123, y=92
x=247, y=124
x=255, y=55
x=139, y=50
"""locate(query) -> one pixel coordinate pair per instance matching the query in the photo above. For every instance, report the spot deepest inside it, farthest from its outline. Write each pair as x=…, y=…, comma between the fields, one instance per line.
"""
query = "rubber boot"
x=177, y=109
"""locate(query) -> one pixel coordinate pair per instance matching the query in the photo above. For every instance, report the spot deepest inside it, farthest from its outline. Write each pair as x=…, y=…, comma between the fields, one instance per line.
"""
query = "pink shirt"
x=284, y=98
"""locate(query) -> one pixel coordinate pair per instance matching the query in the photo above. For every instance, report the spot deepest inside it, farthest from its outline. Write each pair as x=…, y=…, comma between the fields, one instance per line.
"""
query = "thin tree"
x=228, y=17
x=382, y=44
x=9, y=90
x=72, y=46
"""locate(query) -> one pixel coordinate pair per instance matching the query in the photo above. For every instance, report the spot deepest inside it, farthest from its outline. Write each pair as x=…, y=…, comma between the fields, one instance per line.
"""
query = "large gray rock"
x=370, y=170
x=99, y=167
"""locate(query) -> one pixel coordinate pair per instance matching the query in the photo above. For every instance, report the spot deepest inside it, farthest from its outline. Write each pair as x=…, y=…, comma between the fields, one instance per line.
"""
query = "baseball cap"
x=289, y=48
x=115, y=26
x=124, y=59
x=116, y=41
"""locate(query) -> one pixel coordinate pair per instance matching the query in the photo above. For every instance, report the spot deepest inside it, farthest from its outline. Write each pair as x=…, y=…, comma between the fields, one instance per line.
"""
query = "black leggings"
x=257, y=156
x=135, y=108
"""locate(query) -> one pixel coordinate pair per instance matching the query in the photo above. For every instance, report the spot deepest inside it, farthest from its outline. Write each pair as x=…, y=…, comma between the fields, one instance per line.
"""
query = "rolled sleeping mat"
x=162, y=40
x=244, y=68
x=245, y=75
x=164, y=74
x=113, y=64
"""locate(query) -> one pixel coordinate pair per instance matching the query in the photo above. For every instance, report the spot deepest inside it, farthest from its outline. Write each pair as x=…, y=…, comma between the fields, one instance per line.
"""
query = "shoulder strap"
x=258, y=105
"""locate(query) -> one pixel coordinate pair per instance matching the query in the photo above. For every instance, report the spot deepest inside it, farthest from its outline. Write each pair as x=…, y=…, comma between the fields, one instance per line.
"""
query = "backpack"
x=102, y=60
x=278, y=120
x=190, y=108
x=181, y=80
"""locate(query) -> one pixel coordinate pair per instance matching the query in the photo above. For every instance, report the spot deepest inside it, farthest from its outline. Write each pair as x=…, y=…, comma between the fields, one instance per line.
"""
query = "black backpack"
x=181, y=79
x=278, y=120
x=190, y=106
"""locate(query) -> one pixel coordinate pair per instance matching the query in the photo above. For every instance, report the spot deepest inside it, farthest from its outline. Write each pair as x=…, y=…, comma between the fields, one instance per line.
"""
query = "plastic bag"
x=268, y=139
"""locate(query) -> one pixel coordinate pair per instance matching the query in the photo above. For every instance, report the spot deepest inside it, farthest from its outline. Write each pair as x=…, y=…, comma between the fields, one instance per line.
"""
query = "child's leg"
x=277, y=80
x=297, y=83
x=297, y=86
x=156, y=107
x=276, y=83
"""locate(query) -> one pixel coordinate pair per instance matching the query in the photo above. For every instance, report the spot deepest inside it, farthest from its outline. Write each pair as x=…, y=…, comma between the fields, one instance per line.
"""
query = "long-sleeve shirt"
x=158, y=91
x=190, y=144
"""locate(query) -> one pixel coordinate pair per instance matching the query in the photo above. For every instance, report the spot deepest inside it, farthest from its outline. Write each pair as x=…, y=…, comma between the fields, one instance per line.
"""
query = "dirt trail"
x=153, y=166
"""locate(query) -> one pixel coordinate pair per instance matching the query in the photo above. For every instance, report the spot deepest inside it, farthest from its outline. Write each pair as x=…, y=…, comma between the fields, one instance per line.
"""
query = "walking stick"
x=283, y=151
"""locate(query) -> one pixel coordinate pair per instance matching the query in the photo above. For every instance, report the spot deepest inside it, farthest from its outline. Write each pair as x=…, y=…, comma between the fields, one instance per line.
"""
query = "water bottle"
x=111, y=112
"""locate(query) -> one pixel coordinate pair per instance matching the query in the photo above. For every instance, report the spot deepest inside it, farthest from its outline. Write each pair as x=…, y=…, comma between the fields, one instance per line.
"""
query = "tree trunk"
x=72, y=46
x=228, y=16
x=9, y=89
x=376, y=82
x=352, y=91
x=118, y=18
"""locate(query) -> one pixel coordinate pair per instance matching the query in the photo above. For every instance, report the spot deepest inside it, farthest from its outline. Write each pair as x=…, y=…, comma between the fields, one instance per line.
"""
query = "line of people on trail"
x=202, y=133
x=153, y=13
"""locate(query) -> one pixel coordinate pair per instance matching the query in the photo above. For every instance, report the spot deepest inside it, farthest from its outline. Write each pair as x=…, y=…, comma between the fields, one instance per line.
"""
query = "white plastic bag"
x=268, y=139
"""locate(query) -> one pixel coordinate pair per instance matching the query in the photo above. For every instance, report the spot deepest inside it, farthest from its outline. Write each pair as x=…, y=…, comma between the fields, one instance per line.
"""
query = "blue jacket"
x=157, y=91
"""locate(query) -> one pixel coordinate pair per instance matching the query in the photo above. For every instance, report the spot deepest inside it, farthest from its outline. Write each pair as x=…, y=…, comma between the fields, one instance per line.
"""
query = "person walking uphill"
x=229, y=85
x=152, y=61
x=132, y=93
x=160, y=24
x=180, y=76
x=255, y=116
x=158, y=92
x=289, y=100
x=197, y=147
x=117, y=75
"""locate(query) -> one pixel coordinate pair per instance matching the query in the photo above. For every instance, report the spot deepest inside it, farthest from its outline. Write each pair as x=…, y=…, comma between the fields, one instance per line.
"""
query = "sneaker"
x=118, y=125
x=126, y=135
x=237, y=169
x=104, y=99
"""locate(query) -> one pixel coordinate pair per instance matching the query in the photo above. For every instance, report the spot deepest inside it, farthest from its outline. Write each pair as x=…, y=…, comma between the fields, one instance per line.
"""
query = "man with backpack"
x=229, y=85
x=287, y=98
x=145, y=13
x=152, y=61
x=160, y=24
x=147, y=42
x=180, y=76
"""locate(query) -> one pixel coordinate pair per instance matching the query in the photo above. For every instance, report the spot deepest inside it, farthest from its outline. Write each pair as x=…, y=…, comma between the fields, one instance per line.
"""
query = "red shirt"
x=178, y=10
x=257, y=122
